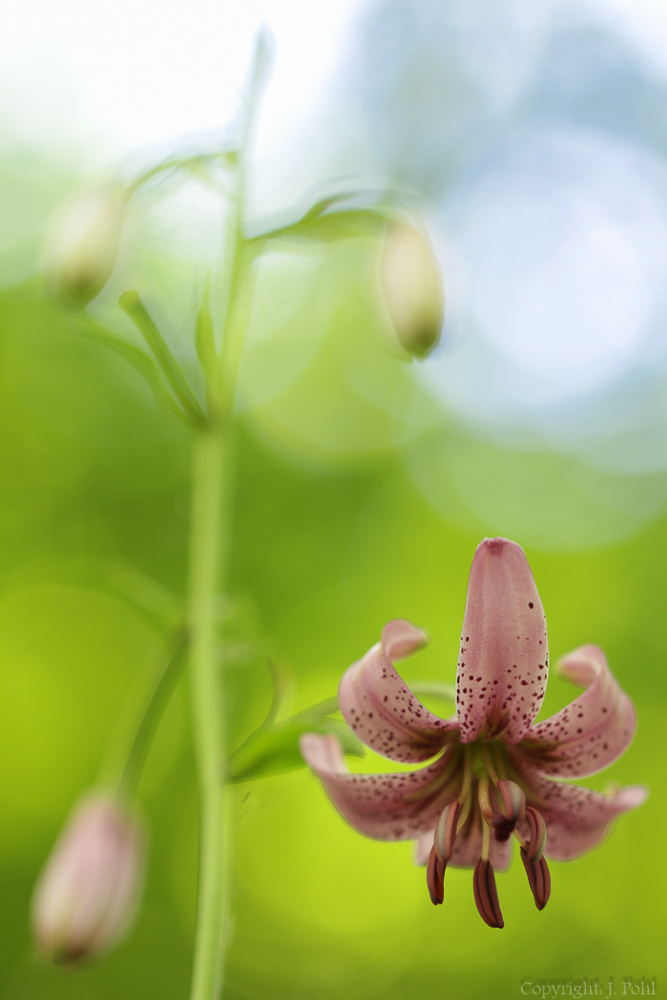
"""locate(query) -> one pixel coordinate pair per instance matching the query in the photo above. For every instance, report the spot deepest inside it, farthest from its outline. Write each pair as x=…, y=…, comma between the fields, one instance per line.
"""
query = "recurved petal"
x=380, y=708
x=504, y=658
x=577, y=818
x=591, y=732
x=384, y=806
x=401, y=637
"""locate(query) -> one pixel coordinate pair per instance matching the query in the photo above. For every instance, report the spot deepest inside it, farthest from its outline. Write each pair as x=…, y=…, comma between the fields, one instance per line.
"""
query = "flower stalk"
x=208, y=557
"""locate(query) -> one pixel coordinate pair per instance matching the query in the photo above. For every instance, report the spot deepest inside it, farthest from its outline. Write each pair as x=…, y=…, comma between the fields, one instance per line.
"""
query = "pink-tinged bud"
x=412, y=288
x=82, y=245
x=87, y=894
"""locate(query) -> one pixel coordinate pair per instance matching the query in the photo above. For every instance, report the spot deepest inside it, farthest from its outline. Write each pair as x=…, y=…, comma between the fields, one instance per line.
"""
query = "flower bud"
x=82, y=245
x=87, y=894
x=412, y=288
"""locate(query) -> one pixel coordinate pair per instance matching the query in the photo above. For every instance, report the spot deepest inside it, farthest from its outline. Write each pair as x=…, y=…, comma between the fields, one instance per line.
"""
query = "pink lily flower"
x=496, y=773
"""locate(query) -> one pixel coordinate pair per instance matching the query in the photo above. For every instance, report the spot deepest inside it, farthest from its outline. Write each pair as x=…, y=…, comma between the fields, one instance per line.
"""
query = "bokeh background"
x=531, y=139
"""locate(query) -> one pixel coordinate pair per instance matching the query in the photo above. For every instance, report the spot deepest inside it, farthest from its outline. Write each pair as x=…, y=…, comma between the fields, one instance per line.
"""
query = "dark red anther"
x=435, y=877
x=513, y=801
x=538, y=834
x=539, y=879
x=486, y=894
x=445, y=831
x=450, y=828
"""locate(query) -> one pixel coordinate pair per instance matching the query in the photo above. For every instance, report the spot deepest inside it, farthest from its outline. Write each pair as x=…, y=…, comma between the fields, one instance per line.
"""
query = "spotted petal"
x=384, y=806
x=381, y=710
x=591, y=732
x=504, y=658
x=576, y=818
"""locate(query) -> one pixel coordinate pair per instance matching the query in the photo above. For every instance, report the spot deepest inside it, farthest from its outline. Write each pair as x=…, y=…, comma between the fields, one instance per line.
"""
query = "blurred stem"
x=208, y=551
x=135, y=758
x=179, y=163
x=209, y=542
x=210, y=530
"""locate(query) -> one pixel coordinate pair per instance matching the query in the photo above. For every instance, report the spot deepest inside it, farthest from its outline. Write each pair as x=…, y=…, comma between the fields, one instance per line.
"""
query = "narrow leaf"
x=140, y=362
x=324, y=203
x=276, y=750
x=433, y=689
x=205, y=344
x=133, y=307
x=326, y=228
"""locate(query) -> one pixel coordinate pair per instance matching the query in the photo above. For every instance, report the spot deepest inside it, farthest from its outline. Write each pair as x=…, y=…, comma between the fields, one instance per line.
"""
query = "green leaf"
x=133, y=307
x=334, y=226
x=275, y=749
x=324, y=203
x=320, y=226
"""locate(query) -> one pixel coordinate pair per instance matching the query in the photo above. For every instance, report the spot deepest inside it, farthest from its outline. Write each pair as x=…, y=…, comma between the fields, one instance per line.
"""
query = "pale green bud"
x=88, y=891
x=412, y=288
x=82, y=244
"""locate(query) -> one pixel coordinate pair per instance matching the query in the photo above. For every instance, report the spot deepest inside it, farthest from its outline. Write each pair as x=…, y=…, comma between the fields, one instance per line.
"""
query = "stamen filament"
x=484, y=800
x=465, y=812
x=467, y=774
x=486, y=837
x=496, y=751
x=485, y=754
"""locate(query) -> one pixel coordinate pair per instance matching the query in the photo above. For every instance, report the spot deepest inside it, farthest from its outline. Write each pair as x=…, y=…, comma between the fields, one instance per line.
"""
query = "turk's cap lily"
x=412, y=288
x=82, y=243
x=88, y=891
x=494, y=774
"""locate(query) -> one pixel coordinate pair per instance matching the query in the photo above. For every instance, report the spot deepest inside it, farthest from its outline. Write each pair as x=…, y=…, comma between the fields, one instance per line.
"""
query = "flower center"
x=491, y=807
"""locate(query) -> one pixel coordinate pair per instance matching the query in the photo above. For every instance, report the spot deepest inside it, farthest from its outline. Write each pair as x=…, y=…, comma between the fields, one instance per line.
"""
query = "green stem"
x=210, y=498
x=209, y=540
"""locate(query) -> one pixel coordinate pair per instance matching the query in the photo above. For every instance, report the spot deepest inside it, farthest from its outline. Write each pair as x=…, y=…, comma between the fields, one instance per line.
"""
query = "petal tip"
x=632, y=796
x=497, y=546
x=400, y=638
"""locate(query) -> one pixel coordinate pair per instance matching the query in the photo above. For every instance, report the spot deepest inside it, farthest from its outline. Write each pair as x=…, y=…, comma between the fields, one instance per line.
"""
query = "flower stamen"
x=486, y=838
x=445, y=832
x=467, y=775
x=485, y=806
x=539, y=879
x=485, y=754
x=513, y=802
x=435, y=877
x=538, y=834
x=486, y=895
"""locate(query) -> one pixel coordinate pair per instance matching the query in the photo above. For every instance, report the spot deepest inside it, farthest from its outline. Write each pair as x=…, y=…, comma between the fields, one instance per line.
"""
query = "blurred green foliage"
x=331, y=539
